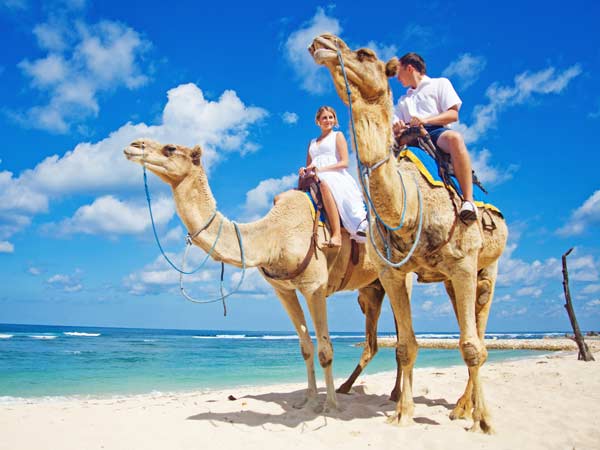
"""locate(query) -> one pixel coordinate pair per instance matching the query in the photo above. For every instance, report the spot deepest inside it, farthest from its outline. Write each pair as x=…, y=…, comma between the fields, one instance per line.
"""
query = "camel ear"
x=196, y=154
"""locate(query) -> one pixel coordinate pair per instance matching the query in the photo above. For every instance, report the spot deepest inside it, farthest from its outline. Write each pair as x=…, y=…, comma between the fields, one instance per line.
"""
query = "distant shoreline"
x=550, y=344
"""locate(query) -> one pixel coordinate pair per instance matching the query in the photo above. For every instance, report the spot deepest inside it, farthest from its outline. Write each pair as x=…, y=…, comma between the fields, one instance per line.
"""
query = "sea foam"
x=80, y=333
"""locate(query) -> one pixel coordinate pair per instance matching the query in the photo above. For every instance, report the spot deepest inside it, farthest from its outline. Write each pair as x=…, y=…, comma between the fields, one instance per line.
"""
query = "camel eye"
x=168, y=150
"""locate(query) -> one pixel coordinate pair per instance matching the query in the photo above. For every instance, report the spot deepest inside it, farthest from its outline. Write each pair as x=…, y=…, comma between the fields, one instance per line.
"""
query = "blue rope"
x=148, y=200
x=362, y=169
x=189, y=239
x=221, y=285
x=364, y=174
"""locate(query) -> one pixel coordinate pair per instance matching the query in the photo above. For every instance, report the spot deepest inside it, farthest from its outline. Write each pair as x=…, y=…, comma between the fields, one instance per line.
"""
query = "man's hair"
x=414, y=60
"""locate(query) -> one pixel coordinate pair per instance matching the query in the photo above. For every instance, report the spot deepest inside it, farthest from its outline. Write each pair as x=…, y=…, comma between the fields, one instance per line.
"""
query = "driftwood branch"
x=584, y=351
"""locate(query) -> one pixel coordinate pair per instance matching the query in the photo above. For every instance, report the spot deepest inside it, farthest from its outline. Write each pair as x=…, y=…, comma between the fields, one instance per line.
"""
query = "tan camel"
x=467, y=263
x=277, y=243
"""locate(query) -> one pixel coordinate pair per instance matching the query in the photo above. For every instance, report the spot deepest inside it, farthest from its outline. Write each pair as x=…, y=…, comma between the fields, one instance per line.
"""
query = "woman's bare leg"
x=332, y=214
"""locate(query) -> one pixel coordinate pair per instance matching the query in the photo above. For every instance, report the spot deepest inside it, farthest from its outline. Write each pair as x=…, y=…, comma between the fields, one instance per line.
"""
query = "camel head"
x=365, y=72
x=171, y=163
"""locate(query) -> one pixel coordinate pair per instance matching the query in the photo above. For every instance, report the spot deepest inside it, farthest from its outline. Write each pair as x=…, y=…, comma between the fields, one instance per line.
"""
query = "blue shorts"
x=435, y=131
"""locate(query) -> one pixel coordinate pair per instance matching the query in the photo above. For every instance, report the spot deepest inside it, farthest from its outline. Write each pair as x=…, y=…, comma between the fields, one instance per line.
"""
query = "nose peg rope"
x=188, y=241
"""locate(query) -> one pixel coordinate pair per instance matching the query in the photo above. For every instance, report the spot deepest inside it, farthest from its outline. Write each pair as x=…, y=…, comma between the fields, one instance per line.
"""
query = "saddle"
x=419, y=137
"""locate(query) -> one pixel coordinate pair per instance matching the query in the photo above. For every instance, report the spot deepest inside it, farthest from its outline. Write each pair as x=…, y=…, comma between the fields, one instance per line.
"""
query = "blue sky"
x=81, y=79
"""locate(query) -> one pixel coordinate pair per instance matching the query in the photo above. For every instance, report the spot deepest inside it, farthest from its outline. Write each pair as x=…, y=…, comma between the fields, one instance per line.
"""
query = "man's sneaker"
x=362, y=228
x=468, y=212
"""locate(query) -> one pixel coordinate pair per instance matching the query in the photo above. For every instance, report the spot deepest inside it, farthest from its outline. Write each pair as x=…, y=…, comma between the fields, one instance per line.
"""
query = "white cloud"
x=512, y=312
x=593, y=303
x=109, y=216
x=188, y=119
x=6, y=247
x=514, y=271
x=260, y=199
x=530, y=291
x=487, y=173
x=290, y=118
x=427, y=305
x=584, y=217
x=582, y=268
x=159, y=277
x=526, y=85
x=34, y=271
x=67, y=283
x=312, y=77
x=591, y=289
x=465, y=69
x=83, y=61
x=254, y=282
x=528, y=277
x=174, y=235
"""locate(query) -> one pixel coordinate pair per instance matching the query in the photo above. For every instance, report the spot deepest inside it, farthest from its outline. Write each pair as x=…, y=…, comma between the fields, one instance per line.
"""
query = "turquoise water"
x=37, y=360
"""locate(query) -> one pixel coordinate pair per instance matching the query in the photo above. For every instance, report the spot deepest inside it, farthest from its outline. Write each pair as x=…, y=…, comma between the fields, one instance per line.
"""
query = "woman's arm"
x=302, y=170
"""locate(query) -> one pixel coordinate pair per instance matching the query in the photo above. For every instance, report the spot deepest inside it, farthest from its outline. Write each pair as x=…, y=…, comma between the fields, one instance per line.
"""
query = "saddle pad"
x=313, y=209
x=428, y=168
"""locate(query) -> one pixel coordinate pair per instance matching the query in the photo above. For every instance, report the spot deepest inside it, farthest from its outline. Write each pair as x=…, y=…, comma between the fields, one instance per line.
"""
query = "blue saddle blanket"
x=428, y=168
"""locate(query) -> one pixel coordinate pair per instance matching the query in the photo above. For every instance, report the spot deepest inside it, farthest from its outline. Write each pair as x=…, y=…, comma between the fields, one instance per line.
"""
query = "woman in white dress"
x=327, y=157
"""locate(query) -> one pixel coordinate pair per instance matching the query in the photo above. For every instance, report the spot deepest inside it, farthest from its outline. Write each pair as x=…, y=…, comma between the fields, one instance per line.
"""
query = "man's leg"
x=453, y=143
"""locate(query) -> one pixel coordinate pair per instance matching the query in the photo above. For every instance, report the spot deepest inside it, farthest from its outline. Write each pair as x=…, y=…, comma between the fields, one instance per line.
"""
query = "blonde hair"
x=322, y=109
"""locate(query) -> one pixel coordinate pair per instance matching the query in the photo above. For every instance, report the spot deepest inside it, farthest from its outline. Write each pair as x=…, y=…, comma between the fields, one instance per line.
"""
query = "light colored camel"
x=276, y=243
x=467, y=264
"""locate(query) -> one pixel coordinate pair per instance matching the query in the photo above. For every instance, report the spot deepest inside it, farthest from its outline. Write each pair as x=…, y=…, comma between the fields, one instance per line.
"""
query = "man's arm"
x=443, y=119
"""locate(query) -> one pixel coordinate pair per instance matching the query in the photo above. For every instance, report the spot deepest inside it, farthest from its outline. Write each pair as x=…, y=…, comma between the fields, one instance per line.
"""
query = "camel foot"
x=460, y=413
x=462, y=410
x=307, y=402
x=401, y=420
x=482, y=426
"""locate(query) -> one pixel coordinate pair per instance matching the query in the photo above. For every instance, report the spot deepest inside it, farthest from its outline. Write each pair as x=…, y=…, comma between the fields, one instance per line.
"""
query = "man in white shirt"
x=434, y=103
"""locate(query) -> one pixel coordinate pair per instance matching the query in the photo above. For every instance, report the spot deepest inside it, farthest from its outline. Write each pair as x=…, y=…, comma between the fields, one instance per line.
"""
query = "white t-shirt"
x=432, y=96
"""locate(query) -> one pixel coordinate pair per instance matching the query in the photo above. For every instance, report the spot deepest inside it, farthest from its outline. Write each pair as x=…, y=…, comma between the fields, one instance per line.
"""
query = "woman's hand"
x=302, y=171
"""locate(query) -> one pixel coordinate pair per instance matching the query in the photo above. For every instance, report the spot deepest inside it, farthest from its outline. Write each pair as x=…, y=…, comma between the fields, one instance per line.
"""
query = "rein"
x=364, y=172
x=188, y=241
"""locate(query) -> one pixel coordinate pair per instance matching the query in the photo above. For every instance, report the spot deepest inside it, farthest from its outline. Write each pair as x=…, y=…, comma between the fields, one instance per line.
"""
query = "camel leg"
x=317, y=304
x=290, y=302
x=406, y=349
x=465, y=286
x=395, y=394
x=464, y=405
x=370, y=299
x=486, y=280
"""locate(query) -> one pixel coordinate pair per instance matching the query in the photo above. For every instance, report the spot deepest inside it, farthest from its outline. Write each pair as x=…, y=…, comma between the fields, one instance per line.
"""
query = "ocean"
x=64, y=361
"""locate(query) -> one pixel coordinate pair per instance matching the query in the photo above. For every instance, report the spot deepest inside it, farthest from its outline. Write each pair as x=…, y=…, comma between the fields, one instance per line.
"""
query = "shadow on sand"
x=246, y=410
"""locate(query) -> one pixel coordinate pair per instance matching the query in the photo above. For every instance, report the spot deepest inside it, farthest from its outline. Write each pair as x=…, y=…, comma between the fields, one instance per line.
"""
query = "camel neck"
x=196, y=205
x=374, y=138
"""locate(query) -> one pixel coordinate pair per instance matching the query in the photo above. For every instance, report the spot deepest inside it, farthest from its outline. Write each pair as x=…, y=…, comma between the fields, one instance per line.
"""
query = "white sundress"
x=342, y=185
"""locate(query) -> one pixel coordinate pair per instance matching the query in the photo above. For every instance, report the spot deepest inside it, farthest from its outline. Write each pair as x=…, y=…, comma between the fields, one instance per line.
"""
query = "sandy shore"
x=551, y=402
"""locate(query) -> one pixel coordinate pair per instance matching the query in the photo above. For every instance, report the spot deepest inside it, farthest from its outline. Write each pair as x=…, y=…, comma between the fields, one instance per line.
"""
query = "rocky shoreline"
x=550, y=344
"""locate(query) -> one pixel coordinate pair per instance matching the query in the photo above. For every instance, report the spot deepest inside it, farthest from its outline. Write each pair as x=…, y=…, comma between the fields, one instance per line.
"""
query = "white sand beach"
x=550, y=402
